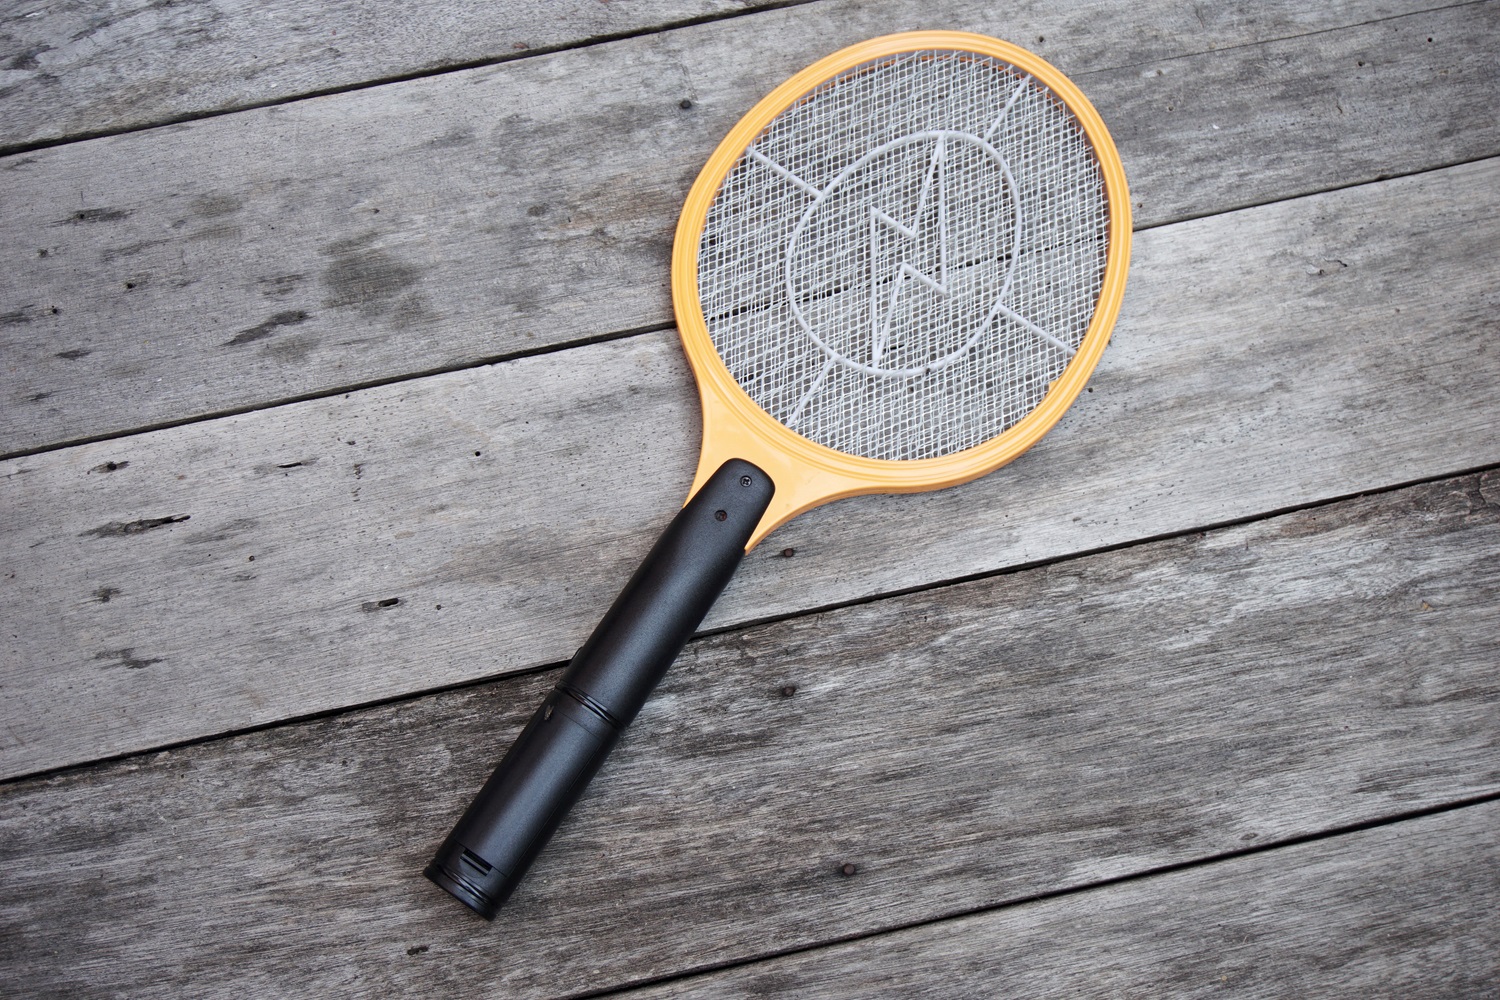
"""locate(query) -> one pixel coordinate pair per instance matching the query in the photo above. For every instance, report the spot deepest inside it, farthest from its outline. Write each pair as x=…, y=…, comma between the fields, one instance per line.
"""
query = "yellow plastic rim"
x=807, y=474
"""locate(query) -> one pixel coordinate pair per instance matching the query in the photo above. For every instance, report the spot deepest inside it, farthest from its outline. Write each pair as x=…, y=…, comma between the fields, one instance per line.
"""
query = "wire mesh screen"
x=902, y=262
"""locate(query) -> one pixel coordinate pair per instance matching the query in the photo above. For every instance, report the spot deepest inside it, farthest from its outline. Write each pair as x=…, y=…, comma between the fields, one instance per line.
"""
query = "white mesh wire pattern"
x=905, y=259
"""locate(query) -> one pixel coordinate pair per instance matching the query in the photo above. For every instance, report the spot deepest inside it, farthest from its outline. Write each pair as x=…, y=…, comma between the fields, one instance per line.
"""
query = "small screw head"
x=850, y=869
x=721, y=515
x=745, y=480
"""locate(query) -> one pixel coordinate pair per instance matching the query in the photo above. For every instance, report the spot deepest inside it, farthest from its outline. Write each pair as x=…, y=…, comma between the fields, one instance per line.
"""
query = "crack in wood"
x=126, y=658
x=115, y=529
x=261, y=331
x=89, y=215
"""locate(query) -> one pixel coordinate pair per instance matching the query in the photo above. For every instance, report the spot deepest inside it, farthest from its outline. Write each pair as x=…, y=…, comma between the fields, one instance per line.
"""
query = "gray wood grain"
x=296, y=250
x=1409, y=910
x=962, y=747
x=80, y=68
x=69, y=69
x=1264, y=359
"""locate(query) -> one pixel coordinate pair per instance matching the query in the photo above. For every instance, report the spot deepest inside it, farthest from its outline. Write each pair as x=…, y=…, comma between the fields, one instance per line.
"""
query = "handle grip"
x=551, y=762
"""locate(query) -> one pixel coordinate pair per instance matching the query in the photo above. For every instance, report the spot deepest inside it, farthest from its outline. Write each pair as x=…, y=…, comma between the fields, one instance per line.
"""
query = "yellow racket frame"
x=807, y=474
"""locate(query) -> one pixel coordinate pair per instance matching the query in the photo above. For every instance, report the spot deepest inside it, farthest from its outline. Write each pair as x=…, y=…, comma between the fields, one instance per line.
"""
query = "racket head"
x=806, y=472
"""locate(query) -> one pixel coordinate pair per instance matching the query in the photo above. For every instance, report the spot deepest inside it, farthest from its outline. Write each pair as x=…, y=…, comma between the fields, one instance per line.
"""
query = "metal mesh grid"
x=902, y=262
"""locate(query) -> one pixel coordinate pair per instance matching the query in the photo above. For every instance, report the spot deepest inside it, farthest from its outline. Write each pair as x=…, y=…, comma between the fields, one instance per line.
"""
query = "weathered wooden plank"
x=1409, y=910
x=300, y=249
x=74, y=69
x=1265, y=359
x=84, y=68
x=962, y=747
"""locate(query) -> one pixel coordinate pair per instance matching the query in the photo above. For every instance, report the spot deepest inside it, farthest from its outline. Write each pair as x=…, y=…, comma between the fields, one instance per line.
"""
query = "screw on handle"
x=562, y=747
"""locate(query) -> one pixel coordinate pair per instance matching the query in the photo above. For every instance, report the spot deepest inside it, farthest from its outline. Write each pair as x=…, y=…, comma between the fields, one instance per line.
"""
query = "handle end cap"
x=462, y=888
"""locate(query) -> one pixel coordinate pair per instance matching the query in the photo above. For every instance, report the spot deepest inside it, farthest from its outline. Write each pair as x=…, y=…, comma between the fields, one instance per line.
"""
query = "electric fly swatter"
x=894, y=274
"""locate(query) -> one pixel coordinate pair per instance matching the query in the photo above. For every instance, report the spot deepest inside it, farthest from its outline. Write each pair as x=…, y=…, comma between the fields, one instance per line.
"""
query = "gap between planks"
x=48, y=121
x=70, y=116
x=1383, y=859
x=553, y=667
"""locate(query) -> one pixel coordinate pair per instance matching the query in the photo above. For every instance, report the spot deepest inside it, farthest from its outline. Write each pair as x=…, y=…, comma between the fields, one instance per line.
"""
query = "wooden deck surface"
x=340, y=395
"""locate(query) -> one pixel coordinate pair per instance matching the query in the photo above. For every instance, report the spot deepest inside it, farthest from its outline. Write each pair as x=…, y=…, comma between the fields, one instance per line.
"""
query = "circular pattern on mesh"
x=904, y=260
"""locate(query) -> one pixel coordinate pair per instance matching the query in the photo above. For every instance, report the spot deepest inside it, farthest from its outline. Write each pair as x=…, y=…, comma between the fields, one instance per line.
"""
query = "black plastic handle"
x=609, y=679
